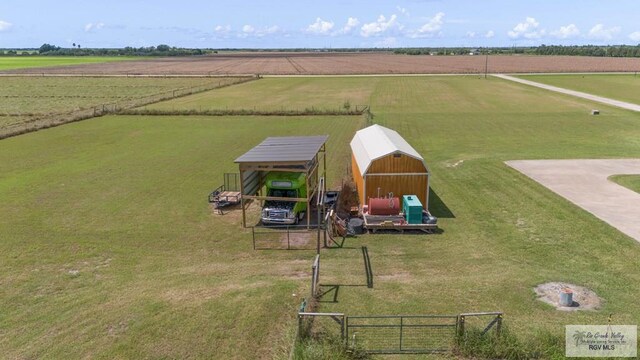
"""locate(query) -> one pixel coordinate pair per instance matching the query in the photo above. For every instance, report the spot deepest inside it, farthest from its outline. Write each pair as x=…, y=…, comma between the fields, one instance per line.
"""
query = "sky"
x=317, y=24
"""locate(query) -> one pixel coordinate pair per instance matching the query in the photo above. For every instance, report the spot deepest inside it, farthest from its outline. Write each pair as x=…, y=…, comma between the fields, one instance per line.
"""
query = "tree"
x=163, y=48
x=47, y=47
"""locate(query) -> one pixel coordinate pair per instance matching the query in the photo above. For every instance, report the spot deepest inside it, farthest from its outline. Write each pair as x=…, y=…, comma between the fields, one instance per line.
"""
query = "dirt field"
x=346, y=63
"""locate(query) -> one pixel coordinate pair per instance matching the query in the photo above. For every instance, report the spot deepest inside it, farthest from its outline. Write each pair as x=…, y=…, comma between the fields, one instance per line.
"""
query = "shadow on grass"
x=438, y=208
x=331, y=291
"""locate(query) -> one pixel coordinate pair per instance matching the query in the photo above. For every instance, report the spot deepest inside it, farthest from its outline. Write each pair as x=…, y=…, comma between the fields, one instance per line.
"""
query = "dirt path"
x=600, y=99
x=586, y=184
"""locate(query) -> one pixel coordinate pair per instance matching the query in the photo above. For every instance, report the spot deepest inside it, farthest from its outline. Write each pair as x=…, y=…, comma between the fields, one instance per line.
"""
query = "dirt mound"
x=583, y=298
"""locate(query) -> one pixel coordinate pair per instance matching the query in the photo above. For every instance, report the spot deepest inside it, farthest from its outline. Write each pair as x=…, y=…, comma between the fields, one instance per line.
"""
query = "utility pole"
x=486, y=64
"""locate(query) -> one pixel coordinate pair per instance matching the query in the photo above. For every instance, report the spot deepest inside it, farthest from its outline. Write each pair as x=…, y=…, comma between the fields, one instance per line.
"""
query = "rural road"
x=586, y=184
x=600, y=99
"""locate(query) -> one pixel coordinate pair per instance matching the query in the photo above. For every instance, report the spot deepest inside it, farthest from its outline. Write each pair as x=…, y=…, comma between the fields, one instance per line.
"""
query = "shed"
x=383, y=162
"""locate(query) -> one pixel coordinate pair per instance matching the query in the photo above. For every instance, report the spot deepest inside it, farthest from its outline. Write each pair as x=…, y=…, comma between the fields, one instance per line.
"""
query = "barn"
x=383, y=162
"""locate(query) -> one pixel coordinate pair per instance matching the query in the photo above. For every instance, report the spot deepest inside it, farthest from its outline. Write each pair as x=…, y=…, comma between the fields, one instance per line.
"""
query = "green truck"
x=284, y=185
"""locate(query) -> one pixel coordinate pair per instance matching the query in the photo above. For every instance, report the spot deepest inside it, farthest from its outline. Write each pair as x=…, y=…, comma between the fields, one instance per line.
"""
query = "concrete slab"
x=586, y=184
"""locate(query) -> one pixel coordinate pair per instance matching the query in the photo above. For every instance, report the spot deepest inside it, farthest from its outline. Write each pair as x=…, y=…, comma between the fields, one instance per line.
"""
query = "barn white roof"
x=375, y=142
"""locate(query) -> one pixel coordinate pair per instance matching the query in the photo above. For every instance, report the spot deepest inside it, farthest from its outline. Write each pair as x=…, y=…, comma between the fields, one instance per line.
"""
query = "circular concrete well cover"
x=583, y=298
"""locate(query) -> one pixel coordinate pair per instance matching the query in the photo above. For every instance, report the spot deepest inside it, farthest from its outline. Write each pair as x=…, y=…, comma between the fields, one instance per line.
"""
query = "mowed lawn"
x=110, y=250
x=503, y=233
x=271, y=94
x=625, y=87
x=23, y=62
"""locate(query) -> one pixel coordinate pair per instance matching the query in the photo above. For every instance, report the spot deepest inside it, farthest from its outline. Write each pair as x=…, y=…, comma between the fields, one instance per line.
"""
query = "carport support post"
x=306, y=180
x=244, y=215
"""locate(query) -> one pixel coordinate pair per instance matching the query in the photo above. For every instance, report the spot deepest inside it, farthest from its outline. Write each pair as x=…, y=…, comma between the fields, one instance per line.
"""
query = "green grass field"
x=629, y=181
x=23, y=62
x=276, y=94
x=625, y=87
x=110, y=250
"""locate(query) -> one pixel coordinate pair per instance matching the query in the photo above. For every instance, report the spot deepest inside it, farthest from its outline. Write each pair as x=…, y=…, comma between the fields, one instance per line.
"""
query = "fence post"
x=253, y=234
x=346, y=331
x=461, y=326
x=499, y=325
x=288, y=239
x=401, y=321
x=342, y=328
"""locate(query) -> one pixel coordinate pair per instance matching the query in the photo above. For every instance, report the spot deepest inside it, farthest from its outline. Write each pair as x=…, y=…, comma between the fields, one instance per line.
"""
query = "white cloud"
x=378, y=27
x=527, y=29
x=430, y=28
x=599, y=32
x=403, y=11
x=566, y=32
x=490, y=34
x=351, y=24
x=4, y=25
x=635, y=36
x=387, y=42
x=320, y=27
x=471, y=34
x=271, y=30
x=93, y=27
x=249, y=30
x=220, y=29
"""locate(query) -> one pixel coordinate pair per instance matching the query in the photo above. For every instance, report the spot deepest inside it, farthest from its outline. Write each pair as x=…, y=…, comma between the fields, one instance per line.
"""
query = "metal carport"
x=300, y=154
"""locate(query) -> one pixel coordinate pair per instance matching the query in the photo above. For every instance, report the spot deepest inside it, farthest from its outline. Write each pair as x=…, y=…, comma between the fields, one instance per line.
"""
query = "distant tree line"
x=573, y=50
x=166, y=50
x=590, y=50
x=78, y=50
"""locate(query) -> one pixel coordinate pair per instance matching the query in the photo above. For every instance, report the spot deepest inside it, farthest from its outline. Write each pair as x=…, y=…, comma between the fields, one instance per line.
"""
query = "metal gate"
x=396, y=334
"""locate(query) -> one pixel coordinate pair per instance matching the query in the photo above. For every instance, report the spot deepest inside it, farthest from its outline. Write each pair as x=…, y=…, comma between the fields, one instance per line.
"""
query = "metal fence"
x=398, y=334
x=401, y=334
x=486, y=321
x=315, y=277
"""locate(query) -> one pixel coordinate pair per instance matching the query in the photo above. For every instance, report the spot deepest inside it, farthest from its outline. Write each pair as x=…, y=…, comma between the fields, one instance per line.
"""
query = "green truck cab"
x=284, y=185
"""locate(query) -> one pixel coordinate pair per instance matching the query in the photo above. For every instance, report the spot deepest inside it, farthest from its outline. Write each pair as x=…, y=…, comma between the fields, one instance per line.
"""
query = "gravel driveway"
x=600, y=99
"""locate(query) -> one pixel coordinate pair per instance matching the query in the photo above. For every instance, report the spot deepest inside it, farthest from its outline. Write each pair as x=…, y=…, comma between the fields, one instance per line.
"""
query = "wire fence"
x=289, y=237
x=401, y=334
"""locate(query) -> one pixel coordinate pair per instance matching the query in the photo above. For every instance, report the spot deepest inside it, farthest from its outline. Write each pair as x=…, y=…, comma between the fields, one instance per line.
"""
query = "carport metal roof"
x=289, y=149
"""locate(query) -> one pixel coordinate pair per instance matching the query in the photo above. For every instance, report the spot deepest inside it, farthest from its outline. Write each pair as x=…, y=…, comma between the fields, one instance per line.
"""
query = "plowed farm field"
x=314, y=63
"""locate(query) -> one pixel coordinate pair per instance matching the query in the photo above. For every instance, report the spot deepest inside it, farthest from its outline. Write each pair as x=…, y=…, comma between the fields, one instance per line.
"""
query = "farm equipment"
x=385, y=214
x=227, y=194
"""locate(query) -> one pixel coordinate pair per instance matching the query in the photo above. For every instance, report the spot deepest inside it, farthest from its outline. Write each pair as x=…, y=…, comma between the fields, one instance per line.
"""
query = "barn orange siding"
x=357, y=178
x=391, y=164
